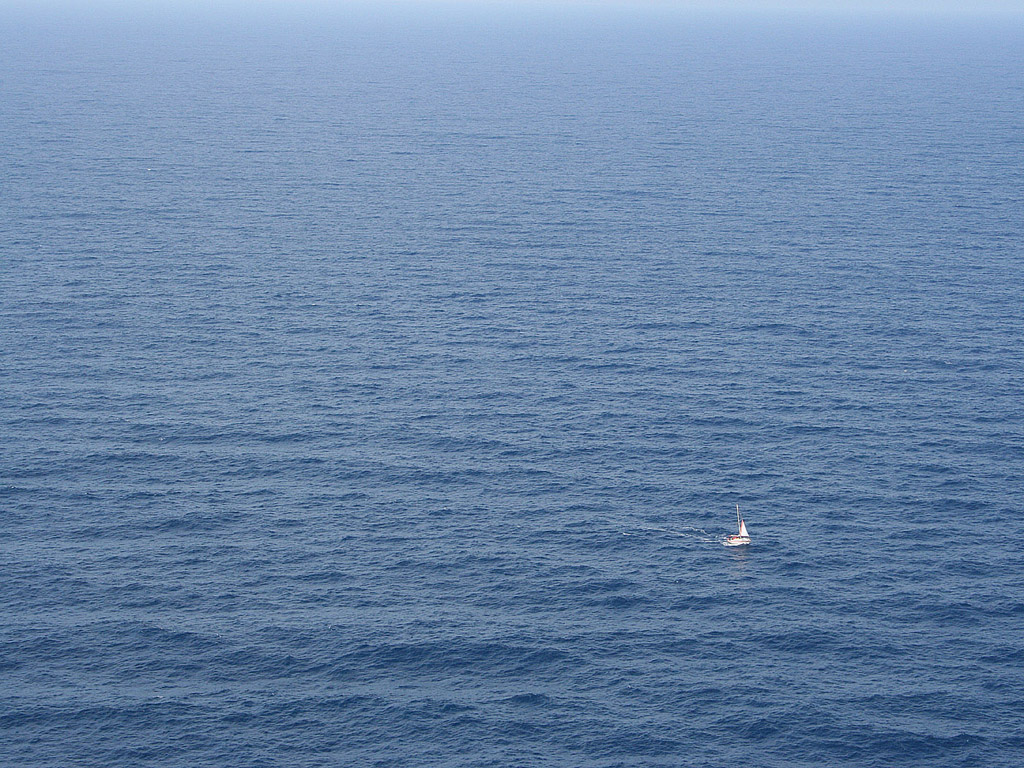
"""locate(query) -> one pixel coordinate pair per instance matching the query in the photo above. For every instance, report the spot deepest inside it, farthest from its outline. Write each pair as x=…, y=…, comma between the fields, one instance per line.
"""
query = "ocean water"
x=377, y=391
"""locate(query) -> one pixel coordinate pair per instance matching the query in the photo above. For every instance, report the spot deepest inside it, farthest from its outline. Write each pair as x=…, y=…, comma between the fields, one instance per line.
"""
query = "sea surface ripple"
x=377, y=392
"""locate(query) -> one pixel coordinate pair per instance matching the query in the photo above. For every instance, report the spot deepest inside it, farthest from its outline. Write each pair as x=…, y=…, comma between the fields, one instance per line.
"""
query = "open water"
x=376, y=391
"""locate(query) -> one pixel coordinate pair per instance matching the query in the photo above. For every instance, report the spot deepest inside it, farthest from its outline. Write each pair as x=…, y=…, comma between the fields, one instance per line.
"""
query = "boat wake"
x=685, y=532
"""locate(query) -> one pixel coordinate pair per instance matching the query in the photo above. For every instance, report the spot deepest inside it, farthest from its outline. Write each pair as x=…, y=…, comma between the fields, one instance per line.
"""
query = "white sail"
x=741, y=538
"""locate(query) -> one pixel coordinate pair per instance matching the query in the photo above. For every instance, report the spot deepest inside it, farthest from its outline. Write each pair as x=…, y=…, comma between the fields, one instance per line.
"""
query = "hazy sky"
x=970, y=7
x=16, y=15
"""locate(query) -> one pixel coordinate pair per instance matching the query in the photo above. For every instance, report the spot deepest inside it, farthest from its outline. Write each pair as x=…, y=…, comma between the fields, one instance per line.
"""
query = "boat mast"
x=738, y=521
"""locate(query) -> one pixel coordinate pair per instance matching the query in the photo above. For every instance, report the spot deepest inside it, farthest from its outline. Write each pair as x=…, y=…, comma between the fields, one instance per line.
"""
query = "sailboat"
x=740, y=539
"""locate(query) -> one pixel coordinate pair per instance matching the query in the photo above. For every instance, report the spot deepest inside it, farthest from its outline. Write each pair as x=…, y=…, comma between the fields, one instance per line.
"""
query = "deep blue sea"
x=377, y=390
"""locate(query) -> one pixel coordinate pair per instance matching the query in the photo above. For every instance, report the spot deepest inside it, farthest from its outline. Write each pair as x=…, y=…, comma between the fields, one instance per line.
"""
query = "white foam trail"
x=685, y=532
